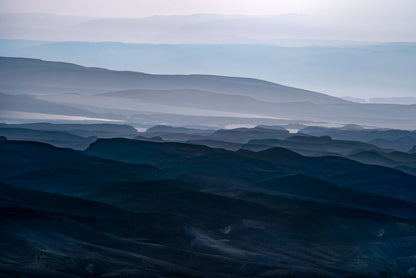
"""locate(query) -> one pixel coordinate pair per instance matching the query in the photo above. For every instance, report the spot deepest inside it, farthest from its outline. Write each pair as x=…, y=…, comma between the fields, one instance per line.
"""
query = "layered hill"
x=62, y=91
x=22, y=75
x=236, y=168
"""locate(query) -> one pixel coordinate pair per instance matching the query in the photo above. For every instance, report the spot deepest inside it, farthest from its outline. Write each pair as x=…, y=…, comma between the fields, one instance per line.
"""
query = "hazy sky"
x=372, y=9
x=382, y=20
x=139, y=8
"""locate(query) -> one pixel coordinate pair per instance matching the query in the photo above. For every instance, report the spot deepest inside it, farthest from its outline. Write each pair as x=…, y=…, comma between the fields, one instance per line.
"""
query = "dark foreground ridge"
x=134, y=208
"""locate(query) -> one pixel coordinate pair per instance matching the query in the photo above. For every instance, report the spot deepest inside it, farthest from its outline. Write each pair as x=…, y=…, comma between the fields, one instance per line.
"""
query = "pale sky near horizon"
x=399, y=9
x=394, y=20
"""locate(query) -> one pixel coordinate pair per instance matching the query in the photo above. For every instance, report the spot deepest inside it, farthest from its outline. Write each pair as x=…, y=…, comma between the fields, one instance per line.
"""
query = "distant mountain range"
x=390, y=148
x=292, y=29
x=358, y=70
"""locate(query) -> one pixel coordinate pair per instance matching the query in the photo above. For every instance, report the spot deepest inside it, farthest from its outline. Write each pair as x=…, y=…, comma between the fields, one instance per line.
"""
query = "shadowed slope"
x=42, y=166
x=221, y=166
x=56, y=138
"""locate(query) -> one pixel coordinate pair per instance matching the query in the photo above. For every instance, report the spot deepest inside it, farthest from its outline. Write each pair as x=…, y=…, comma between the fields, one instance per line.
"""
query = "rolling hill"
x=141, y=99
x=22, y=75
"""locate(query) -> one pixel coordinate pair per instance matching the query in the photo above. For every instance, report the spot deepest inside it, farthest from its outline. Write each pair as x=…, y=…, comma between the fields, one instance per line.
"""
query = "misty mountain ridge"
x=179, y=99
x=378, y=69
x=59, y=76
x=288, y=29
x=80, y=136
